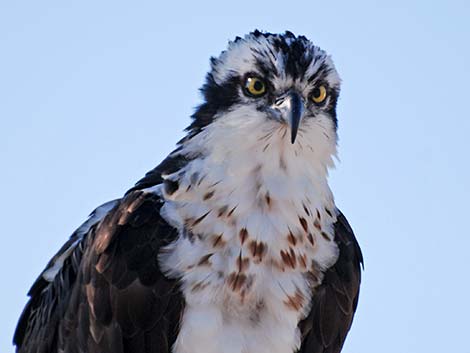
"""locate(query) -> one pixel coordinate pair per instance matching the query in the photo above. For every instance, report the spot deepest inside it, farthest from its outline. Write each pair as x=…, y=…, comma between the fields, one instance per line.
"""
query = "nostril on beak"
x=279, y=100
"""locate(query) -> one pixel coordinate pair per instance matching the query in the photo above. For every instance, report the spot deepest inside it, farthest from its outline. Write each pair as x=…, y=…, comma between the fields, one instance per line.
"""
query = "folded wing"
x=334, y=302
x=104, y=291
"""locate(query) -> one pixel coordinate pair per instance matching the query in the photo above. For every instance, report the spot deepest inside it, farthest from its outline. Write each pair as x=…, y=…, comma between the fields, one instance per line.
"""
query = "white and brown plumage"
x=233, y=243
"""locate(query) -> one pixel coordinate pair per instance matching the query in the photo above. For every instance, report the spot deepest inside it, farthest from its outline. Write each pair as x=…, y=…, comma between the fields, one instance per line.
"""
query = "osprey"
x=233, y=244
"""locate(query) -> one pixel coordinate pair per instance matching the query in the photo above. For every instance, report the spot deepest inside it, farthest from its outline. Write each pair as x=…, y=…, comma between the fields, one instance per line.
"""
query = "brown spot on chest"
x=268, y=200
x=295, y=301
x=258, y=250
x=325, y=236
x=199, y=286
x=218, y=241
x=303, y=260
x=303, y=223
x=317, y=224
x=289, y=258
x=310, y=239
x=231, y=211
x=236, y=280
x=328, y=212
x=242, y=263
x=306, y=209
x=291, y=239
x=199, y=220
x=201, y=180
x=243, y=234
x=208, y=195
x=222, y=211
x=204, y=261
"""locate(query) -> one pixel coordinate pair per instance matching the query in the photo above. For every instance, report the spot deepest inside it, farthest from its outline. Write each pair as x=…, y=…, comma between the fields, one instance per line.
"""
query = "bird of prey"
x=232, y=244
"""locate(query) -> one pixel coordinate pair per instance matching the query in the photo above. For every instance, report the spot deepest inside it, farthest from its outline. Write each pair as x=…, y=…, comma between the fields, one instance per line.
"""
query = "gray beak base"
x=291, y=108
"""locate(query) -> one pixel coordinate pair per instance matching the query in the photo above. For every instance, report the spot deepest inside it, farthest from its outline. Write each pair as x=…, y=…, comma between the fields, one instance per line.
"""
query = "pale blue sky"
x=94, y=94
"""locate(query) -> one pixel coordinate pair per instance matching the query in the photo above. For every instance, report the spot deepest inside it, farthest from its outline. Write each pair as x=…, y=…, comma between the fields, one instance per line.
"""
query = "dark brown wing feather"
x=334, y=302
x=110, y=295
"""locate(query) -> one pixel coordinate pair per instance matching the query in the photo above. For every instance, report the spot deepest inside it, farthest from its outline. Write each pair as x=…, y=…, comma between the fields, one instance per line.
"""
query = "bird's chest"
x=248, y=256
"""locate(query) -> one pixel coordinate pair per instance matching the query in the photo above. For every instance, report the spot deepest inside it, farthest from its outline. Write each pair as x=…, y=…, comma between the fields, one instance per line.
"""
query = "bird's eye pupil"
x=316, y=92
x=258, y=86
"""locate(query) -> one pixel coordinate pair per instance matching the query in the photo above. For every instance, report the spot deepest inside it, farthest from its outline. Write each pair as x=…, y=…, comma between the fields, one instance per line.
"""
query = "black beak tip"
x=293, y=136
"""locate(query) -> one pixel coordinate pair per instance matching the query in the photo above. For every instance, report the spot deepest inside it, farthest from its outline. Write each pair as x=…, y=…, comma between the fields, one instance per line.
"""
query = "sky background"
x=94, y=94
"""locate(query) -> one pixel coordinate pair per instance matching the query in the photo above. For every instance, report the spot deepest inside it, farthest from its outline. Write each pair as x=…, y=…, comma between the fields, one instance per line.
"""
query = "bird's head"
x=273, y=78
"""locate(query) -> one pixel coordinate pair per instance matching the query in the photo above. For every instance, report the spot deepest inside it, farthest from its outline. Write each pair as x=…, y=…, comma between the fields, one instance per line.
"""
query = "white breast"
x=255, y=217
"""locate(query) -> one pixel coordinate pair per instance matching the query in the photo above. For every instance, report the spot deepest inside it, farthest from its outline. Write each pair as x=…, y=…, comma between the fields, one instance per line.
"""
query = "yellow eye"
x=255, y=87
x=319, y=94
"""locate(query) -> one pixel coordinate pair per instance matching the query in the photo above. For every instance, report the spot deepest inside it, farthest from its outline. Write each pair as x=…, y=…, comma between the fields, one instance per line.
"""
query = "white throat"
x=255, y=216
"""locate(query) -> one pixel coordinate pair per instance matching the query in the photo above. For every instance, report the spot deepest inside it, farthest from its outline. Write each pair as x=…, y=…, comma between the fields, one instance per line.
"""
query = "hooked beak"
x=291, y=107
